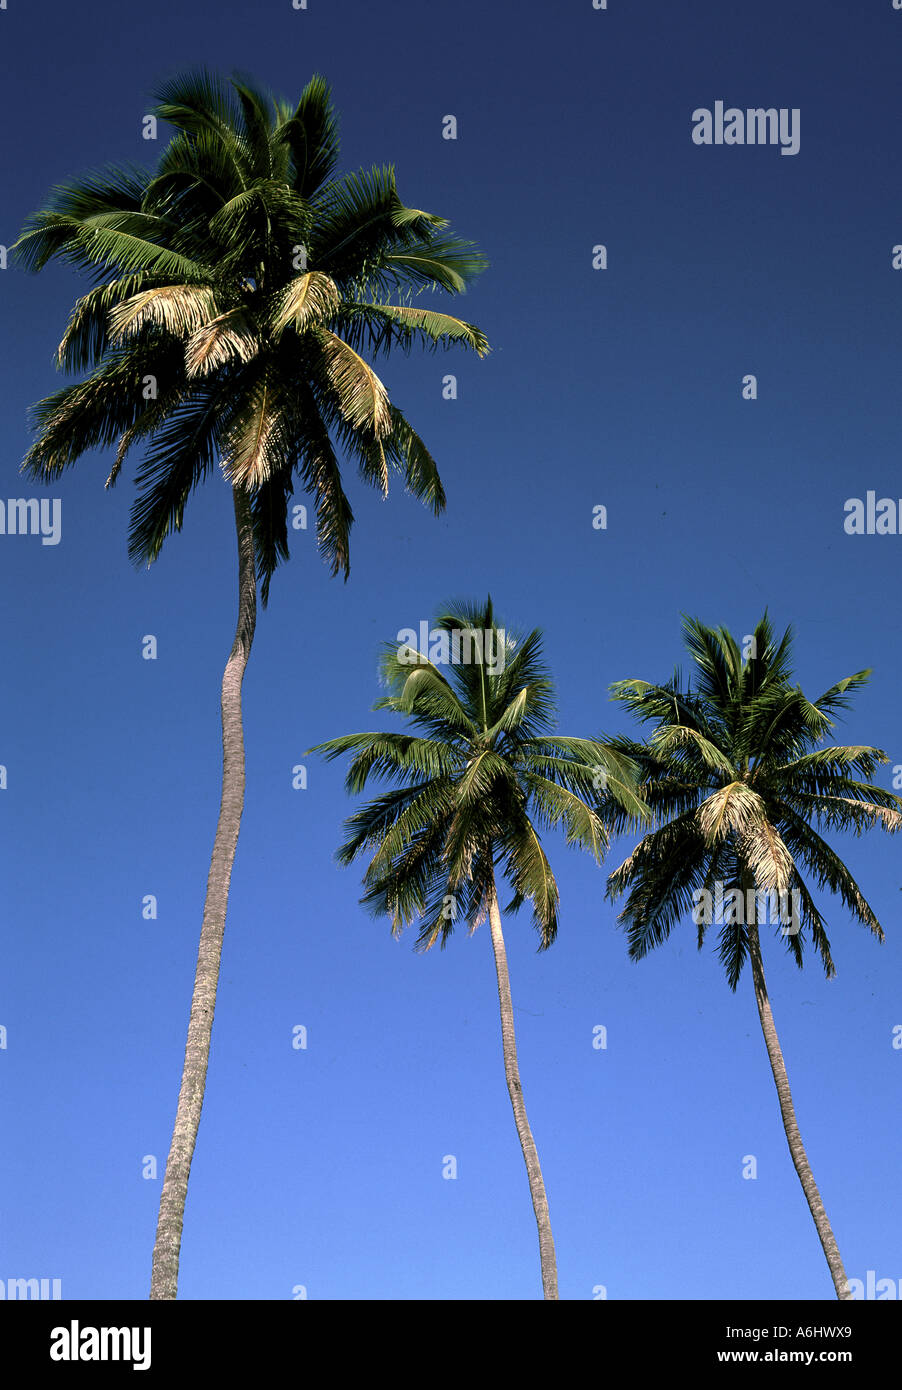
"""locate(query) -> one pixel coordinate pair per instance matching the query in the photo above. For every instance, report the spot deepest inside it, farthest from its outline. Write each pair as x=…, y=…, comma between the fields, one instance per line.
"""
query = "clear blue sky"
x=323, y=1167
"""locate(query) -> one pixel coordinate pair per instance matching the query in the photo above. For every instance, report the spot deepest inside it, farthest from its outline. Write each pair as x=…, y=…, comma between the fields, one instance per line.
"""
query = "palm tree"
x=740, y=787
x=236, y=286
x=472, y=785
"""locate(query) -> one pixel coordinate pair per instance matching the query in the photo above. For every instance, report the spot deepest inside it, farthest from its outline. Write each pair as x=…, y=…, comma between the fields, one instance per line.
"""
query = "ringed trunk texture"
x=790, y=1125
x=164, y=1276
x=512, y=1073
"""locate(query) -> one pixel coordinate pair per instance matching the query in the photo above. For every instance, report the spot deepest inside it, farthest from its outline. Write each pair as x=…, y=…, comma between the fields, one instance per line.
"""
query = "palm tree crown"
x=237, y=285
x=483, y=773
x=740, y=789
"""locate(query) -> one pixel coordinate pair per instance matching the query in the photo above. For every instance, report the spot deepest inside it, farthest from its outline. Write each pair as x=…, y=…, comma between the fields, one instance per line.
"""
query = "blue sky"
x=621, y=387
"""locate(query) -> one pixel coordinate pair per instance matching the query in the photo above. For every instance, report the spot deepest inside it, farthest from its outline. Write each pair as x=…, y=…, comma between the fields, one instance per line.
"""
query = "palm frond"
x=229, y=339
x=311, y=135
x=177, y=309
x=363, y=398
x=184, y=450
x=310, y=298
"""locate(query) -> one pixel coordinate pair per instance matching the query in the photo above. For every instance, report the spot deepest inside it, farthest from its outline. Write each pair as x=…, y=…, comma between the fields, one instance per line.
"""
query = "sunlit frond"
x=310, y=298
x=177, y=309
x=228, y=339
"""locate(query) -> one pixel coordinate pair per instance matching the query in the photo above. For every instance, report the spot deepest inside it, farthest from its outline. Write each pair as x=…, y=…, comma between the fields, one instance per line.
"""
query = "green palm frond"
x=442, y=262
x=837, y=697
x=419, y=690
x=201, y=105
x=717, y=659
x=117, y=188
x=826, y=867
x=388, y=755
x=384, y=326
x=184, y=450
x=827, y=764
x=669, y=737
x=597, y=768
x=320, y=474
x=527, y=868
x=258, y=110
x=87, y=336
x=119, y=242
x=269, y=514
x=409, y=455
x=95, y=412
x=556, y=804
x=311, y=135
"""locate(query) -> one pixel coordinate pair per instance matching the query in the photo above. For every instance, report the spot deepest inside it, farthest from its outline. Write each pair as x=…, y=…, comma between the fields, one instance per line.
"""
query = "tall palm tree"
x=236, y=286
x=740, y=786
x=483, y=771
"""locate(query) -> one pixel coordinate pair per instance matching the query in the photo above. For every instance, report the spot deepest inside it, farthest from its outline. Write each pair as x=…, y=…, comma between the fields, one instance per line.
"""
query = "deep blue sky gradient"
x=323, y=1167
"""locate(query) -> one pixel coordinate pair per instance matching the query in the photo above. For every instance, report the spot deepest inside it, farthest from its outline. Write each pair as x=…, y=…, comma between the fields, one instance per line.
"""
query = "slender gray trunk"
x=164, y=1277
x=512, y=1072
x=790, y=1125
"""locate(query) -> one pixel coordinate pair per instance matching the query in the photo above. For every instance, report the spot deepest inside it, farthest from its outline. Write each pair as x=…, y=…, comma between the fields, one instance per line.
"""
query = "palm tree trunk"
x=164, y=1278
x=790, y=1125
x=512, y=1072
